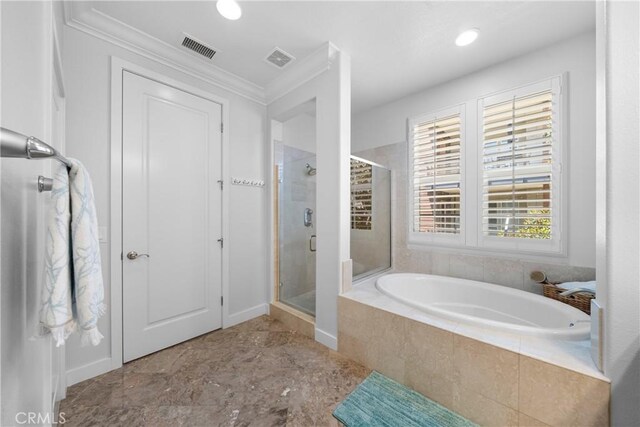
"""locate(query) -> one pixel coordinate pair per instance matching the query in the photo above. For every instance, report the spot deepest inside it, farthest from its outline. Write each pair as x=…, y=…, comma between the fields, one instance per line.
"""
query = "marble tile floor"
x=257, y=373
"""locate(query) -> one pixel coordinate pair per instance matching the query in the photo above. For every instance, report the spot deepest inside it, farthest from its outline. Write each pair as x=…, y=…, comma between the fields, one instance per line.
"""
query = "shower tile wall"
x=508, y=272
x=297, y=192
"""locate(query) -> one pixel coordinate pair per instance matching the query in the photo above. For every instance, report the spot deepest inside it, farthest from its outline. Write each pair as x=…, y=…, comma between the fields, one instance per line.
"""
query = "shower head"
x=311, y=171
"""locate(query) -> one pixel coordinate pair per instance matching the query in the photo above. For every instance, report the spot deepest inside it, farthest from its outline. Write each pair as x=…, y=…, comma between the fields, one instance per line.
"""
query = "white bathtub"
x=486, y=305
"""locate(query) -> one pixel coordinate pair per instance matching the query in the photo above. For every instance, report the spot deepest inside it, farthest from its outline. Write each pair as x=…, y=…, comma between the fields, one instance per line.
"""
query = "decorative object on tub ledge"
x=73, y=272
x=248, y=182
x=567, y=292
x=380, y=401
x=539, y=277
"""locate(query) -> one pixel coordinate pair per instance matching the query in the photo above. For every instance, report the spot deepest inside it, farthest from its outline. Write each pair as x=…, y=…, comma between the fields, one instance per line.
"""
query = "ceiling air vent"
x=279, y=58
x=198, y=47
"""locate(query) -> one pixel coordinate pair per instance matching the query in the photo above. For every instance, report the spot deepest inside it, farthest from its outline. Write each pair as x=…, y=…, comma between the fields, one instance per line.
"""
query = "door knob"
x=134, y=255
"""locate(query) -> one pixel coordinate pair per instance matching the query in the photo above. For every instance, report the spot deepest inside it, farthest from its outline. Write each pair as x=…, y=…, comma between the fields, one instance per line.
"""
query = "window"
x=361, y=195
x=436, y=174
x=514, y=157
x=518, y=167
x=520, y=173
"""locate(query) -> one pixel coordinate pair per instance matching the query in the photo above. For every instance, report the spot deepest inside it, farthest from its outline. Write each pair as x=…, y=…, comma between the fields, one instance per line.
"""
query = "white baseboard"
x=248, y=314
x=326, y=339
x=89, y=370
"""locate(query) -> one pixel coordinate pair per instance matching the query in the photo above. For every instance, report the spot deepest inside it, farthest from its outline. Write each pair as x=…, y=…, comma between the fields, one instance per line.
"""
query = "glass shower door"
x=296, y=213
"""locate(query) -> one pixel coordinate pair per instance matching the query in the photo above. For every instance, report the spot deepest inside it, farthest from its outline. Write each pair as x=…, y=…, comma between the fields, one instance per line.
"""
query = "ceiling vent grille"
x=279, y=58
x=198, y=47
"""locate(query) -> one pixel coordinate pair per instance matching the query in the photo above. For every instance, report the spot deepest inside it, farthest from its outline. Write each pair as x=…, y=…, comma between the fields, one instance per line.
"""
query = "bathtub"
x=487, y=305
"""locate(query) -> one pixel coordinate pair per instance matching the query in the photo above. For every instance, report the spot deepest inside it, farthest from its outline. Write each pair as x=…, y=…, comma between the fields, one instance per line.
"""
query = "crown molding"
x=107, y=28
x=301, y=72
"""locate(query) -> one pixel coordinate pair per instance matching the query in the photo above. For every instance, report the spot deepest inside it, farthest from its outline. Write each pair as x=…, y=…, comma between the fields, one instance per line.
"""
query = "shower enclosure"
x=295, y=202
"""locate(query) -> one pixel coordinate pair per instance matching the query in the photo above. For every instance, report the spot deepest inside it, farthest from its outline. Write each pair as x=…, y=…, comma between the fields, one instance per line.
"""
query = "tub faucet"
x=577, y=290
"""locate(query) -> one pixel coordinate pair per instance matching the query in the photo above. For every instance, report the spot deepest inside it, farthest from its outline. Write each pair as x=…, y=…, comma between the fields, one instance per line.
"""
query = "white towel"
x=56, y=314
x=573, y=285
x=73, y=228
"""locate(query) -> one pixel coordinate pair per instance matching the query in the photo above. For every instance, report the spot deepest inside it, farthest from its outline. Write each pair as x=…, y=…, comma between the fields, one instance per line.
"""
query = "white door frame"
x=118, y=66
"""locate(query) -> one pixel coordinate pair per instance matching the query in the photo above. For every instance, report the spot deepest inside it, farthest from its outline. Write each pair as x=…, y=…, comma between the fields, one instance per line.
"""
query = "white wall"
x=26, y=360
x=386, y=124
x=87, y=67
x=621, y=298
x=300, y=132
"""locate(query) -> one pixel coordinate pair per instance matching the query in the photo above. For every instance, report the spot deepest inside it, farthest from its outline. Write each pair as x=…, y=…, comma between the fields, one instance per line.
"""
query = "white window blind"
x=517, y=166
x=361, y=195
x=436, y=174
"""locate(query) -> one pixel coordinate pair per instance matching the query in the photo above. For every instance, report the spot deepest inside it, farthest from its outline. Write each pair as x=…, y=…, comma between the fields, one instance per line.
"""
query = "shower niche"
x=295, y=208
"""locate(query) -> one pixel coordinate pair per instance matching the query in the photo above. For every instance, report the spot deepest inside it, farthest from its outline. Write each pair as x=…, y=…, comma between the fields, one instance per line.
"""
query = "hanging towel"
x=73, y=294
x=56, y=314
x=87, y=271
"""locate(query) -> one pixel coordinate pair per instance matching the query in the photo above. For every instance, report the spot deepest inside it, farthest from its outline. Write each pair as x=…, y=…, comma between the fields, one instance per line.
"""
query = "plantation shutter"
x=436, y=175
x=517, y=167
x=361, y=195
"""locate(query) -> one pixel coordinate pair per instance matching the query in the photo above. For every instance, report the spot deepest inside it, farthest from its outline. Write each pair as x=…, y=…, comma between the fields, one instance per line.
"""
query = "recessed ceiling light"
x=467, y=37
x=230, y=9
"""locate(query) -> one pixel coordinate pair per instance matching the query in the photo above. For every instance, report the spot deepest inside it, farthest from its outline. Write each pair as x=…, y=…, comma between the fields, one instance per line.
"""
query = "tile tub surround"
x=255, y=373
x=490, y=378
x=505, y=271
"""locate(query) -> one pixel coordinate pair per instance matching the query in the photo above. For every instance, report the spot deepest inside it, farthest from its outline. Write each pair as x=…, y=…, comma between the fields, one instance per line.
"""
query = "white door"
x=172, y=206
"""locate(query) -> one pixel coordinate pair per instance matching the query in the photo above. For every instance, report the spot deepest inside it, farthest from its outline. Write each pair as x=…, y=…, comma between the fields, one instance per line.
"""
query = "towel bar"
x=14, y=144
x=44, y=184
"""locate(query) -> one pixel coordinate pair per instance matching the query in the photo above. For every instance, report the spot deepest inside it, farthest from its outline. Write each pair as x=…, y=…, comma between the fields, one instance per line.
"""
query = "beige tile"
x=487, y=370
x=527, y=421
x=355, y=318
x=429, y=362
x=385, y=349
x=415, y=261
x=503, y=272
x=576, y=399
x=440, y=264
x=352, y=347
x=466, y=267
x=482, y=410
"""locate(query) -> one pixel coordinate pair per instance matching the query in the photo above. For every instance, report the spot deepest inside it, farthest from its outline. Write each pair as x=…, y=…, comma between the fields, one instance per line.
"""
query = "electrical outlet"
x=102, y=234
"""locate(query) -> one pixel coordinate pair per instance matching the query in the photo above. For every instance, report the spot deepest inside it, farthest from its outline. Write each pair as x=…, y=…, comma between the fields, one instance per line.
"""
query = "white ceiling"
x=396, y=47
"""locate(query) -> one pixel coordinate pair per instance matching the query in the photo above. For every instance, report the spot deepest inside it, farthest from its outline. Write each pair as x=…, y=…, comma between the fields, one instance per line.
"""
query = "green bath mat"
x=380, y=401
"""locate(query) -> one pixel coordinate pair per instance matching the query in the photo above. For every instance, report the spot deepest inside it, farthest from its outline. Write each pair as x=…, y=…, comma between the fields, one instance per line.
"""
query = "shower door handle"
x=311, y=246
x=308, y=217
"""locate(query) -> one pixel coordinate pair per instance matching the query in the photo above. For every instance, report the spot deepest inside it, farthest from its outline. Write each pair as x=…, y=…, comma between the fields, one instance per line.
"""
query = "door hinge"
x=221, y=182
x=221, y=127
x=221, y=300
x=121, y=257
x=221, y=241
